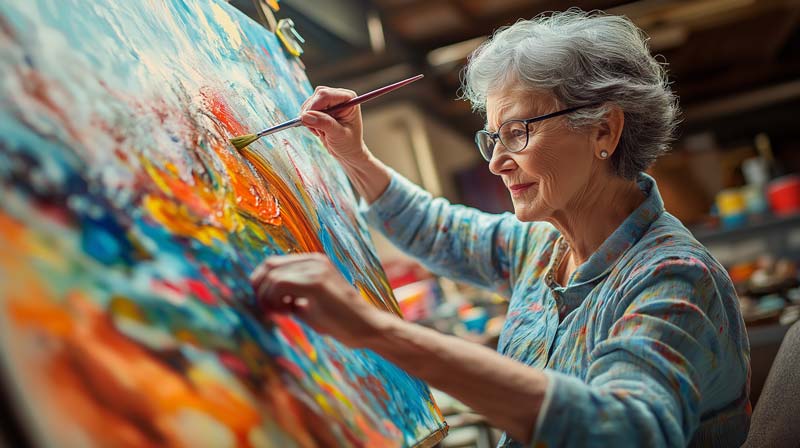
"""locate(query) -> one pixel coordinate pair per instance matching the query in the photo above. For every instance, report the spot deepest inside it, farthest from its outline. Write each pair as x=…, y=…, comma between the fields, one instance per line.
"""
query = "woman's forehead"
x=516, y=102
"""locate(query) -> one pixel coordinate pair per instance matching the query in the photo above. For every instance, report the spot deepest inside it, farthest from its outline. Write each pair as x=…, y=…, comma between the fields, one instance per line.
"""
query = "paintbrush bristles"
x=242, y=141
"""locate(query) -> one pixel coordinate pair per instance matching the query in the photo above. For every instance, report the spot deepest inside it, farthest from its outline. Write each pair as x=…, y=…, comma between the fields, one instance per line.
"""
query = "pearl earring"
x=604, y=154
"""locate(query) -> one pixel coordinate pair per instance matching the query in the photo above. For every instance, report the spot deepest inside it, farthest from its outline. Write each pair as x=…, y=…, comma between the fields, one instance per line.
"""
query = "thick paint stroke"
x=129, y=224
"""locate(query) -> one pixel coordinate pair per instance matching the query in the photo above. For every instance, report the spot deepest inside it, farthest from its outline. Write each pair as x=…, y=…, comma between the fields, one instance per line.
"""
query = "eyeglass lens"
x=513, y=135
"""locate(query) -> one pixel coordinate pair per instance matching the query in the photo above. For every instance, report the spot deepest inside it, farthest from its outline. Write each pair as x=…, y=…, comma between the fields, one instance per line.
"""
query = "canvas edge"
x=434, y=437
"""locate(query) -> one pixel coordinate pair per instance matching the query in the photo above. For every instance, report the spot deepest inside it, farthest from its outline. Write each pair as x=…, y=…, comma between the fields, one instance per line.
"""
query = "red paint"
x=233, y=363
x=167, y=284
x=294, y=332
x=214, y=280
x=201, y=291
x=217, y=106
x=54, y=213
x=327, y=192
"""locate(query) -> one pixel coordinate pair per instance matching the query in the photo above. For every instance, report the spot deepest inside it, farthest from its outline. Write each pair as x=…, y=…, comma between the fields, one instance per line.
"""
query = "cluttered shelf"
x=761, y=256
x=766, y=225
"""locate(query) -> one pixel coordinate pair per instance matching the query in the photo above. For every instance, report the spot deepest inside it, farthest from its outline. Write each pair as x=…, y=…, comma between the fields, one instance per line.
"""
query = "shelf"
x=774, y=235
x=767, y=225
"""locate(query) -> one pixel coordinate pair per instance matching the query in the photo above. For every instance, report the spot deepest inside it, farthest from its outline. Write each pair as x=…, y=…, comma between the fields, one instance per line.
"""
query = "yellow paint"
x=156, y=176
x=124, y=307
x=331, y=389
x=186, y=336
x=224, y=20
x=178, y=220
x=323, y=403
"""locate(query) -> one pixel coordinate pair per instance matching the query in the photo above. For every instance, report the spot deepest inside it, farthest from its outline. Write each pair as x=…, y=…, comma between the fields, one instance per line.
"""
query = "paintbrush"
x=242, y=141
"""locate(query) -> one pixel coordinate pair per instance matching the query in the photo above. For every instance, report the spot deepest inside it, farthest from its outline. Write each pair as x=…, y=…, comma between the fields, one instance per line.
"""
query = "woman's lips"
x=519, y=189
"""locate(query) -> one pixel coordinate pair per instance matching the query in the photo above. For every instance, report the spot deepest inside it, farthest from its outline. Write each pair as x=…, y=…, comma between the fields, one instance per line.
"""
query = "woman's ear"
x=609, y=131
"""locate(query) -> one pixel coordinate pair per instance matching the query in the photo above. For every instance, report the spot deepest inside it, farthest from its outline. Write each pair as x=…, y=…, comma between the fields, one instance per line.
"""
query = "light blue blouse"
x=645, y=346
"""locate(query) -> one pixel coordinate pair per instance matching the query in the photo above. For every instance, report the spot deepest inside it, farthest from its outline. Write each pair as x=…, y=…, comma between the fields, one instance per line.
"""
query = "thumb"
x=321, y=121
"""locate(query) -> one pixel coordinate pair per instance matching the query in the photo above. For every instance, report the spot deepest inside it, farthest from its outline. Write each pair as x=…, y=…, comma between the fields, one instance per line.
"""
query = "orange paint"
x=296, y=219
x=111, y=377
x=37, y=312
x=294, y=332
x=249, y=191
x=245, y=193
x=11, y=229
x=370, y=436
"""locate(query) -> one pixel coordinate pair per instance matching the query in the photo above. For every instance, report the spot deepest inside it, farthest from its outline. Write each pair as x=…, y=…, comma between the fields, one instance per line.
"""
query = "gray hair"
x=584, y=58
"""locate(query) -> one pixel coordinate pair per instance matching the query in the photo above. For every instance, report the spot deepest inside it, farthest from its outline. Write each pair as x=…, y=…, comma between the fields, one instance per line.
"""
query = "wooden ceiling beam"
x=477, y=27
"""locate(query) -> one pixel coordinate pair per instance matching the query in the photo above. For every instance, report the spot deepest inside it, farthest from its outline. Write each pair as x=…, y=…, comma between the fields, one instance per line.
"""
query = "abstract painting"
x=129, y=225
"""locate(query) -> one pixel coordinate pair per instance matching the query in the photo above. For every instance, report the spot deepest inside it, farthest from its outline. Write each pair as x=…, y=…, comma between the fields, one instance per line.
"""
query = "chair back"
x=776, y=418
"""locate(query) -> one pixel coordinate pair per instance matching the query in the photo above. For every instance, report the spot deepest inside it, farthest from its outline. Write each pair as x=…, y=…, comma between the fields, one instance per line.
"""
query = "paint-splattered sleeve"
x=666, y=346
x=452, y=240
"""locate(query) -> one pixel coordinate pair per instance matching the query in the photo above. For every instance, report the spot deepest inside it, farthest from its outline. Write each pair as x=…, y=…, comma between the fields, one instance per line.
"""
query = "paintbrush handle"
x=373, y=94
x=349, y=103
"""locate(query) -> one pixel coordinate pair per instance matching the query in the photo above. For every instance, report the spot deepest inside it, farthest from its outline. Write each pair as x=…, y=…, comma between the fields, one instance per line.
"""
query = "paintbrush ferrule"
x=285, y=125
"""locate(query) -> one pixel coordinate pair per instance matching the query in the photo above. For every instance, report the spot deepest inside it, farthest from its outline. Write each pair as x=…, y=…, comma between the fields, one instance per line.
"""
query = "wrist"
x=368, y=174
x=380, y=324
x=356, y=157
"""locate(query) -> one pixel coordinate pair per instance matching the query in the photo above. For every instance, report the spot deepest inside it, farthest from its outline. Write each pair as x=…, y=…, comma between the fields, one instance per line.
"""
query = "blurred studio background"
x=733, y=176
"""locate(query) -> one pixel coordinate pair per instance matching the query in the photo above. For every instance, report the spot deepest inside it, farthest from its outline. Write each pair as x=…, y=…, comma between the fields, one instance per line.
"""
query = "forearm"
x=368, y=174
x=508, y=393
x=453, y=241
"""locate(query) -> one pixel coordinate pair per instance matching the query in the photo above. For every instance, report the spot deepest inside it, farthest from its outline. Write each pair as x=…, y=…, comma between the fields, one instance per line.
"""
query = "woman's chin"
x=526, y=213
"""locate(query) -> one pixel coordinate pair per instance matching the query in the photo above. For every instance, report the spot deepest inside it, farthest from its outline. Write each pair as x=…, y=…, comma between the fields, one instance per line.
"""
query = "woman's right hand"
x=343, y=135
x=341, y=132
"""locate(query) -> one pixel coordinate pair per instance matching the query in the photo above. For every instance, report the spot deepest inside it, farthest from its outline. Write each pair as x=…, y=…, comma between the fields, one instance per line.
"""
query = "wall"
x=421, y=149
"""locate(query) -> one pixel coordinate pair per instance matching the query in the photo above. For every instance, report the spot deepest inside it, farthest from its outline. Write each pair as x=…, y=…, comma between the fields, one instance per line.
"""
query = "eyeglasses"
x=513, y=134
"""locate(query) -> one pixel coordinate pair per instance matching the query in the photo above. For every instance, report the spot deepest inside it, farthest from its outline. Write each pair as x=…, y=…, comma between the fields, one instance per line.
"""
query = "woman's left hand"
x=310, y=287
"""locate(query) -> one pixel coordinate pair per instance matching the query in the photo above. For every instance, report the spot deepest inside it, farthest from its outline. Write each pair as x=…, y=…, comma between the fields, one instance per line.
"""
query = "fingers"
x=321, y=123
x=326, y=97
x=280, y=281
x=277, y=295
x=279, y=260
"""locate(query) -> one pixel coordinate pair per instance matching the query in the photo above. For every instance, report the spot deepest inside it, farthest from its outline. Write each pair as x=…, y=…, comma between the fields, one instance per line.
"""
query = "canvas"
x=129, y=225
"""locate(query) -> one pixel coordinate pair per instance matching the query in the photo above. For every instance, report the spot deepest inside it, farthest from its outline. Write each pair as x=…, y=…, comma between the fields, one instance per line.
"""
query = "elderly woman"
x=622, y=329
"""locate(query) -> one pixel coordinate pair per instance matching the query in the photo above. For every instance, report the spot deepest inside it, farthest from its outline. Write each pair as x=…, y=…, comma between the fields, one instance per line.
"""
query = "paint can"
x=784, y=195
x=732, y=207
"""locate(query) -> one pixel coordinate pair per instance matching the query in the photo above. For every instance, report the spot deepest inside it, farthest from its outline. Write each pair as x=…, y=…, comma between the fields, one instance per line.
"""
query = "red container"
x=784, y=195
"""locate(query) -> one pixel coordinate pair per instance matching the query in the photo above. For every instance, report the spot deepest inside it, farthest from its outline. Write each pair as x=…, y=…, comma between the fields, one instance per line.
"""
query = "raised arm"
x=451, y=240
x=342, y=134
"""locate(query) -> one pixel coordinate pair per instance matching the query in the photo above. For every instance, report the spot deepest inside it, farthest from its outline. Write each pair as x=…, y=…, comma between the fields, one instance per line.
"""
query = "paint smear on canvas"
x=129, y=224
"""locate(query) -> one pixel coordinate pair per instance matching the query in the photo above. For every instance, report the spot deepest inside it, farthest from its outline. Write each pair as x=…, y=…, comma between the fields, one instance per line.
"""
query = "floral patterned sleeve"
x=663, y=347
x=453, y=240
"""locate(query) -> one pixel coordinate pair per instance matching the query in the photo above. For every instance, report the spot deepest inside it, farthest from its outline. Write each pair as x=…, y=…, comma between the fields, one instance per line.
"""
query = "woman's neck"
x=594, y=214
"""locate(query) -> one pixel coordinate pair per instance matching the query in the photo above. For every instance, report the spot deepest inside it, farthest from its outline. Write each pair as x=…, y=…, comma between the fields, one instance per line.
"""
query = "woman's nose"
x=500, y=162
